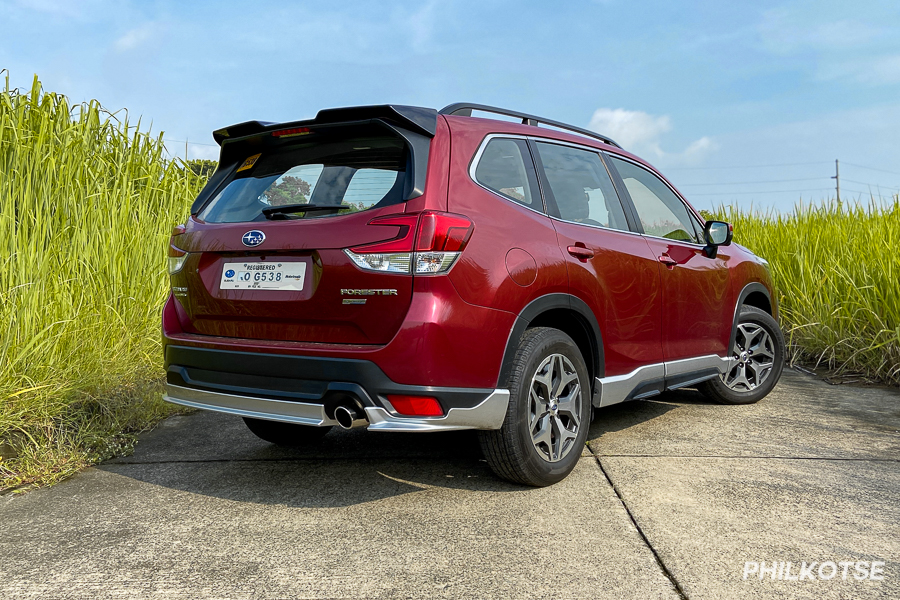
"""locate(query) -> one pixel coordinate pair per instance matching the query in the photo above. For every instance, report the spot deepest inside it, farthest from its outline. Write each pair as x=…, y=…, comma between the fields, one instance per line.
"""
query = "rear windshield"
x=336, y=178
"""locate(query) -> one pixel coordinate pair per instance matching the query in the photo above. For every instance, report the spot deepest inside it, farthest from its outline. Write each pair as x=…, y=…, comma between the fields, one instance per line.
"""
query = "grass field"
x=86, y=206
x=837, y=274
x=87, y=202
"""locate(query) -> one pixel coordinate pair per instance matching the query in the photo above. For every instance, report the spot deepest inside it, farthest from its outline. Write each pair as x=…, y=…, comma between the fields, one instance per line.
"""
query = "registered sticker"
x=248, y=164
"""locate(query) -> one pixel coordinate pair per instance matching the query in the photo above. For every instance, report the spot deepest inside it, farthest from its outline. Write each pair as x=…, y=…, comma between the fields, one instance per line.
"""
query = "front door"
x=697, y=303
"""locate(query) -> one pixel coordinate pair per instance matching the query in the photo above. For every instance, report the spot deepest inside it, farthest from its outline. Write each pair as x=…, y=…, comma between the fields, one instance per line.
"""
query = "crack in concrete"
x=662, y=565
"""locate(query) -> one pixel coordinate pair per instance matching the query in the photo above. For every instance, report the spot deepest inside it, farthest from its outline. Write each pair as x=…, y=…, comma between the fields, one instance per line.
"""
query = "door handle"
x=580, y=252
x=667, y=260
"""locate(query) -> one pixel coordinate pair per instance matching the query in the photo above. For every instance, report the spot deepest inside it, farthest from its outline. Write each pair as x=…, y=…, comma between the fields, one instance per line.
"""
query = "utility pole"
x=837, y=178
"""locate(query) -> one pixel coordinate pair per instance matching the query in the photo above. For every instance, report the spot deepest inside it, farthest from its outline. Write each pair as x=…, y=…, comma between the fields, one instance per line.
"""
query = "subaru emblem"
x=253, y=238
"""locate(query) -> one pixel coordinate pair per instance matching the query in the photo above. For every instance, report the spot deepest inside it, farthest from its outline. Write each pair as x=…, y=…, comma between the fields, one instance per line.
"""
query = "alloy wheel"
x=554, y=403
x=752, y=360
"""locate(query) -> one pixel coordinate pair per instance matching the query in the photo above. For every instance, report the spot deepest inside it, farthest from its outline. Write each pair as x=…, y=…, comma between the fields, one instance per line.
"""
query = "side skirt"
x=651, y=380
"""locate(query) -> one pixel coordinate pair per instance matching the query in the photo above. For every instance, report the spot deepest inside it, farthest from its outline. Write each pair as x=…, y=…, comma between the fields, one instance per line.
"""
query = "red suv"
x=405, y=269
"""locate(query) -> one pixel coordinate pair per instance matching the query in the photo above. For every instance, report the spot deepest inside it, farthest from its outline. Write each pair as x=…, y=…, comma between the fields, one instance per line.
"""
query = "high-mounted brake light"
x=284, y=133
x=430, y=243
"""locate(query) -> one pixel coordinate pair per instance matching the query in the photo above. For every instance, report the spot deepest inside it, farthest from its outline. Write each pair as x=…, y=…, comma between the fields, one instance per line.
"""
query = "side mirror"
x=717, y=233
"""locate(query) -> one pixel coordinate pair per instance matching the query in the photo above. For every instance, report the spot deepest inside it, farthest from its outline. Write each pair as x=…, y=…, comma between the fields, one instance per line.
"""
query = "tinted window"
x=661, y=212
x=351, y=175
x=581, y=187
x=505, y=167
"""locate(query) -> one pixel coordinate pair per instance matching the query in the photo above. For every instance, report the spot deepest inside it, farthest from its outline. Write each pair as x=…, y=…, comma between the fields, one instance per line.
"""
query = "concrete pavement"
x=678, y=495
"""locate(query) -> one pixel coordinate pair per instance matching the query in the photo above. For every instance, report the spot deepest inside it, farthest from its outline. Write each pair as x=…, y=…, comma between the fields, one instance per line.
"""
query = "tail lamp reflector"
x=416, y=406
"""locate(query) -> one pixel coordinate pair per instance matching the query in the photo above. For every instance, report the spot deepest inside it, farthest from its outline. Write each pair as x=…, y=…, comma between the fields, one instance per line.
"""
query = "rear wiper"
x=270, y=211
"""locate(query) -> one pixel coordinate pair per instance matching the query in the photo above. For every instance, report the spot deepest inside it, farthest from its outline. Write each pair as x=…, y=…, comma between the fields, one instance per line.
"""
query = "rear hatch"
x=266, y=254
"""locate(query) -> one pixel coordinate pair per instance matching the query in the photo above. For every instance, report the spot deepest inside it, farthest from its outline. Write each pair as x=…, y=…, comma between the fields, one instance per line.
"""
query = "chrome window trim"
x=659, y=176
x=540, y=140
x=600, y=227
x=473, y=165
x=477, y=157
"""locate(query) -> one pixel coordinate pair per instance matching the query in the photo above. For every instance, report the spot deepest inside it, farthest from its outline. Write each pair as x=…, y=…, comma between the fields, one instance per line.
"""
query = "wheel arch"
x=753, y=294
x=570, y=315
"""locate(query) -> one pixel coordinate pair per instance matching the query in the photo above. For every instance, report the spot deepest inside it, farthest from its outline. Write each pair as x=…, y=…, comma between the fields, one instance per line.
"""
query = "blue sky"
x=746, y=103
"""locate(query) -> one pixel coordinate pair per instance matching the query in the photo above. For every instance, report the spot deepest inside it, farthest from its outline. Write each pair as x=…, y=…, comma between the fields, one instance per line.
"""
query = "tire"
x=540, y=442
x=760, y=361
x=290, y=435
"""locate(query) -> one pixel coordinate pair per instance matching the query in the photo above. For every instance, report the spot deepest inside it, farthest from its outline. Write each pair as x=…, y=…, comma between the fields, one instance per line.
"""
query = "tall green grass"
x=87, y=202
x=836, y=268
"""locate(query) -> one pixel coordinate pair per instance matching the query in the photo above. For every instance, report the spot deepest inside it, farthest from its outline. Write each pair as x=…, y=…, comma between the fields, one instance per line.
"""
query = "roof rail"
x=464, y=109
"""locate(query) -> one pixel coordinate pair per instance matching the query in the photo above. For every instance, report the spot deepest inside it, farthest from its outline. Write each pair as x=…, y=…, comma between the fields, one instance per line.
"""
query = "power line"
x=872, y=168
x=872, y=184
x=763, y=192
x=748, y=166
x=752, y=182
x=777, y=192
x=191, y=143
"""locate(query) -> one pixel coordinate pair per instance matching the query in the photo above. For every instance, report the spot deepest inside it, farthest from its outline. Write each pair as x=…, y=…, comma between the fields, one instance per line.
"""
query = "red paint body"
x=452, y=330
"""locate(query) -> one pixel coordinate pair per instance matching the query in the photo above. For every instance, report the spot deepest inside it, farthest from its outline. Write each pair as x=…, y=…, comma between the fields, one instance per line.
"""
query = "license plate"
x=263, y=276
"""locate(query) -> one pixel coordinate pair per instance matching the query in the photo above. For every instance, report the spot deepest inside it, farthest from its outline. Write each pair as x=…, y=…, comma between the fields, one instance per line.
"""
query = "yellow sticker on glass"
x=248, y=164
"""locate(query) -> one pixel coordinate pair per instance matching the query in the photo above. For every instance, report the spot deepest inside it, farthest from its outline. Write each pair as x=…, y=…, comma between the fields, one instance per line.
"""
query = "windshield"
x=344, y=176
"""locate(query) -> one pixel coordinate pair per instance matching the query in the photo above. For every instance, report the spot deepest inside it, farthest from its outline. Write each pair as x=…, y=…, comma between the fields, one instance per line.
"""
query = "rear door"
x=609, y=267
x=697, y=307
x=261, y=267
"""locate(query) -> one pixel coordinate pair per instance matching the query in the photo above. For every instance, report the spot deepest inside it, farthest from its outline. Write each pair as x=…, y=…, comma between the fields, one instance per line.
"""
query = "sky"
x=746, y=103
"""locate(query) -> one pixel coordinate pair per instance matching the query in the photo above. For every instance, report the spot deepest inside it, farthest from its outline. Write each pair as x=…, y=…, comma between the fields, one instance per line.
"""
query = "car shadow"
x=626, y=415
x=215, y=455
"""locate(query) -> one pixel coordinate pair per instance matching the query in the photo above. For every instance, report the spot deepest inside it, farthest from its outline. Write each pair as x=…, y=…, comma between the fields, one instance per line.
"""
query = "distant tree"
x=202, y=168
x=288, y=190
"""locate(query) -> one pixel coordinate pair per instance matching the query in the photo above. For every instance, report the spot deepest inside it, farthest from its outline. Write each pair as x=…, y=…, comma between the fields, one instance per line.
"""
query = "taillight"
x=416, y=406
x=431, y=249
x=176, y=255
x=176, y=259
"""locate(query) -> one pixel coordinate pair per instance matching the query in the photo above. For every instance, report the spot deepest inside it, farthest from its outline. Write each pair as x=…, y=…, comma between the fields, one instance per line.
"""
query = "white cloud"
x=631, y=128
x=135, y=37
x=699, y=149
x=641, y=133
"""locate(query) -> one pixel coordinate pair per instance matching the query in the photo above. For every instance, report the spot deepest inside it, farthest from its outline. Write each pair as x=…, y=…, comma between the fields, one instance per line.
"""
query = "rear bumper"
x=306, y=390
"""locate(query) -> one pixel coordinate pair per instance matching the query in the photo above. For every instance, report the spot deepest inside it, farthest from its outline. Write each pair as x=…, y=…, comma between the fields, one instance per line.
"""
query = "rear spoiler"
x=417, y=119
x=414, y=124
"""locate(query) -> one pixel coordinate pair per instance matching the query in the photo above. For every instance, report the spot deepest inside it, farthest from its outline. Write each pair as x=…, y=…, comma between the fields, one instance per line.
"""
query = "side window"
x=581, y=187
x=505, y=167
x=661, y=212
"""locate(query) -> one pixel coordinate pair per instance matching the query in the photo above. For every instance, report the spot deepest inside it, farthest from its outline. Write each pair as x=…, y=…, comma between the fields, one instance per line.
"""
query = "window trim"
x=545, y=183
x=688, y=207
x=476, y=158
x=605, y=156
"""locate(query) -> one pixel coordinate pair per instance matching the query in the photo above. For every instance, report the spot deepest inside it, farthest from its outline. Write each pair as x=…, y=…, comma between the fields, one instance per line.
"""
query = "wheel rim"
x=554, y=402
x=753, y=358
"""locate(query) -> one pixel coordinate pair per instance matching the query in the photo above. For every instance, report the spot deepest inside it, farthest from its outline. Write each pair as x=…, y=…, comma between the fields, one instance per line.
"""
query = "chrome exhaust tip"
x=350, y=417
